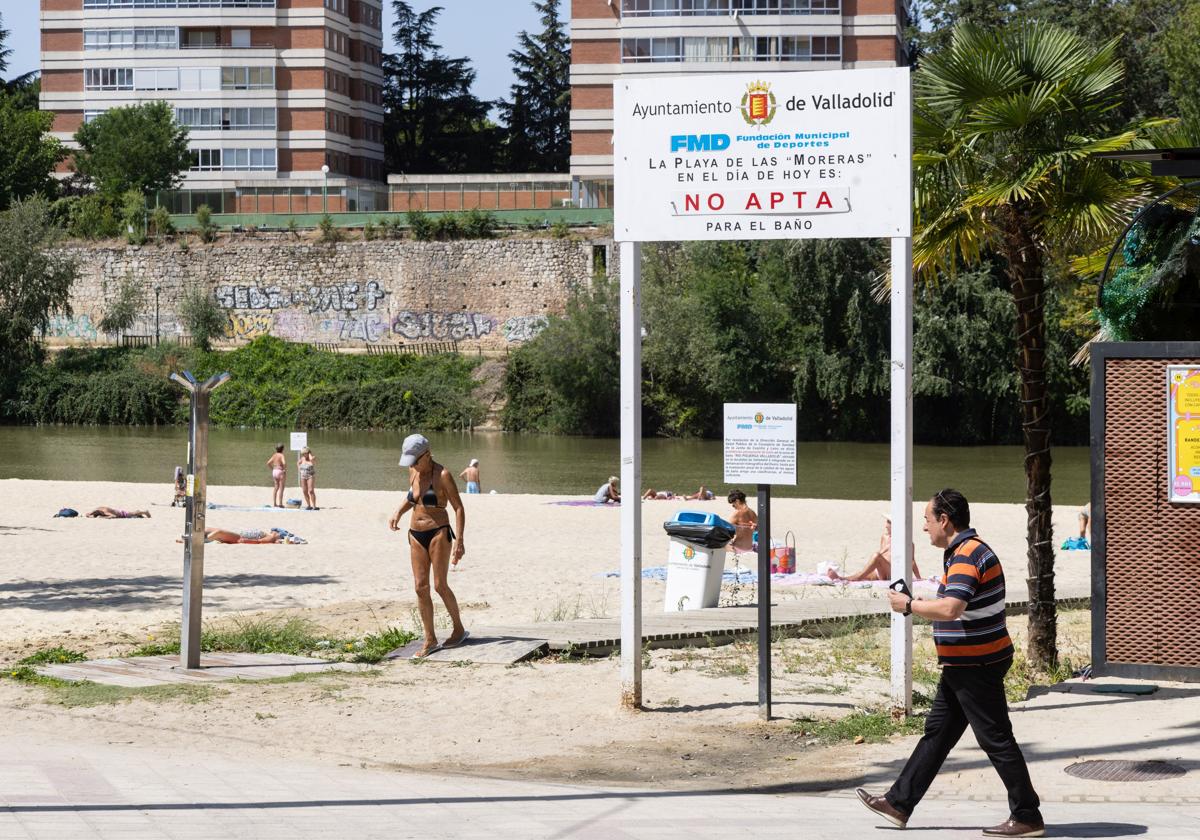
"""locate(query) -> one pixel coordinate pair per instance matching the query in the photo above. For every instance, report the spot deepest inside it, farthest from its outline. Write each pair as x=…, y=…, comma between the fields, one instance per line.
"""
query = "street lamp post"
x=157, y=290
x=325, y=189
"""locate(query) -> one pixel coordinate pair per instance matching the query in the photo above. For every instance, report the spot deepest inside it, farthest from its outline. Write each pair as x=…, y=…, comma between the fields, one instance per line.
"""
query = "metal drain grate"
x=1125, y=771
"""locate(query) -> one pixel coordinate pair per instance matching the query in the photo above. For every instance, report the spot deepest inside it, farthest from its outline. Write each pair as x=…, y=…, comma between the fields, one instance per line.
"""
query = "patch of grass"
x=285, y=634
x=82, y=694
x=53, y=656
x=378, y=645
x=871, y=726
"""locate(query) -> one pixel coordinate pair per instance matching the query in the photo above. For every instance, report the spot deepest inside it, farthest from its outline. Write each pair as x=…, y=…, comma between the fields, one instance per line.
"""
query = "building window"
x=690, y=8
x=156, y=79
x=338, y=6
x=178, y=4
x=200, y=78
x=717, y=49
x=88, y=116
x=226, y=119
x=244, y=160
x=140, y=38
x=337, y=42
x=247, y=78
x=336, y=82
x=108, y=78
x=337, y=122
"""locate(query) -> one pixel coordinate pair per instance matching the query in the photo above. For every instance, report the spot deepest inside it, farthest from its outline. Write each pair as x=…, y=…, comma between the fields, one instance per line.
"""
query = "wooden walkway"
x=714, y=626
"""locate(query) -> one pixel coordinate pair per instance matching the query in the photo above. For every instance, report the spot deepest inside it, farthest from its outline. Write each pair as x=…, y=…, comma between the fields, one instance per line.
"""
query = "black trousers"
x=974, y=695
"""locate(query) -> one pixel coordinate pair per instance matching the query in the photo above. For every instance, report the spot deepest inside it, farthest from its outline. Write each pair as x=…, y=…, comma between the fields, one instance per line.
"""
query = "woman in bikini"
x=307, y=464
x=278, y=465
x=430, y=488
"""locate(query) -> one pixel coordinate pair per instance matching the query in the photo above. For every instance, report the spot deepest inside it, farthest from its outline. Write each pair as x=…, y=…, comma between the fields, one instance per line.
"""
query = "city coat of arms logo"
x=758, y=104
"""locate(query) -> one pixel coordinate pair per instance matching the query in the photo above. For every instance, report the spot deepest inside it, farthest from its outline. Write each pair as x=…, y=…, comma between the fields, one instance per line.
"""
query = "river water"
x=516, y=463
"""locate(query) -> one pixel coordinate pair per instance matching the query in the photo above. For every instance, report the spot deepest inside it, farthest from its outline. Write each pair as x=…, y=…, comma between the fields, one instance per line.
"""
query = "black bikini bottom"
x=424, y=538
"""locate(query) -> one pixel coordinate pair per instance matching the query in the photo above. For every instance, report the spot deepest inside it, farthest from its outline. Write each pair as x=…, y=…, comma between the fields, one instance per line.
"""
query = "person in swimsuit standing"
x=307, y=464
x=471, y=476
x=430, y=488
x=278, y=465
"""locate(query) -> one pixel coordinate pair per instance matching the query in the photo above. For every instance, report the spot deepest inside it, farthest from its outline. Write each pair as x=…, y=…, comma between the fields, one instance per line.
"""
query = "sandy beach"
x=527, y=558
x=104, y=586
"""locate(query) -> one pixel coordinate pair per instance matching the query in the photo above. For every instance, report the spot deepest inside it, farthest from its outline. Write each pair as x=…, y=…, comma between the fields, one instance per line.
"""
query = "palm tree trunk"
x=1028, y=285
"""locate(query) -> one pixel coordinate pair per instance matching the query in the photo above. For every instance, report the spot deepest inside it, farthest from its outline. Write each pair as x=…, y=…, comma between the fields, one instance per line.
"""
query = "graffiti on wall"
x=337, y=297
x=442, y=326
x=79, y=326
x=369, y=328
x=524, y=327
x=247, y=326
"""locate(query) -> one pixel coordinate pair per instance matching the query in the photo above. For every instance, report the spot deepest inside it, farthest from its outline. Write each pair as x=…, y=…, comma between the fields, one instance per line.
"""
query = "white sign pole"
x=631, y=475
x=901, y=472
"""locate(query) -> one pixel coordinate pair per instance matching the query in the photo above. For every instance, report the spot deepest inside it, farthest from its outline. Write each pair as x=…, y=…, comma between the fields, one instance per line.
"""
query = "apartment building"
x=615, y=38
x=272, y=91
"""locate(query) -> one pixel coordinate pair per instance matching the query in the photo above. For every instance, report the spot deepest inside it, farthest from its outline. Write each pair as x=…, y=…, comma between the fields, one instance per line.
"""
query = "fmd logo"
x=699, y=142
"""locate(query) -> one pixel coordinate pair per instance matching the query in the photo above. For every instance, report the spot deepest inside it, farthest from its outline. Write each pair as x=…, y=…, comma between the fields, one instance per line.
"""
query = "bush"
x=201, y=316
x=479, y=224
x=204, y=224
x=133, y=217
x=160, y=221
x=292, y=227
x=369, y=231
x=92, y=217
x=560, y=230
x=420, y=224
x=446, y=226
x=123, y=310
x=330, y=232
x=274, y=384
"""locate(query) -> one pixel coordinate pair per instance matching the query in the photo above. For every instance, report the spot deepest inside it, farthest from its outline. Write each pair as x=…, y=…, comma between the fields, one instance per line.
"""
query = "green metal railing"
x=573, y=216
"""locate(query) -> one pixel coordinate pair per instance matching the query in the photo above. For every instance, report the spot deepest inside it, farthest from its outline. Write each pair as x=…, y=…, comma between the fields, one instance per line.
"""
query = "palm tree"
x=1005, y=122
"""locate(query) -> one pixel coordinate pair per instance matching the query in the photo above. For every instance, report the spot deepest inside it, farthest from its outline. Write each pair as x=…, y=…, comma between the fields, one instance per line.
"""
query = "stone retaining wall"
x=484, y=294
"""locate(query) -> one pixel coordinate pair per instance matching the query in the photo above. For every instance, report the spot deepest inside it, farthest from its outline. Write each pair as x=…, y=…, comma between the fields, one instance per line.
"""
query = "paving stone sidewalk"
x=53, y=789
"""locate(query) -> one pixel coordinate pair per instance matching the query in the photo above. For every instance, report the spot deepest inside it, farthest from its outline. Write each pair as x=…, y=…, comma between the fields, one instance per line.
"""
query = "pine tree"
x=537, y=120
x=433, y=123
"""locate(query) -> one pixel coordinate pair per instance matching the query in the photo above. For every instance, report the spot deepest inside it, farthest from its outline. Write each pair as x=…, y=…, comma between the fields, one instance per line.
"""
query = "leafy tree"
x=28, y=154
x=567, y=380
x=138, y=147
x=133, y=217
x=538, y=118
x=202, y=317
x=1181, y=60
x=433, y=122
x=1004, y=126
x=125, y=306
x=1142, y=28
x=35, y=283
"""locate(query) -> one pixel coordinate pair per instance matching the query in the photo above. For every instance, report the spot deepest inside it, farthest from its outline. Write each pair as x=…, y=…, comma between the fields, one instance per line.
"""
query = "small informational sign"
x=191, y=485
x=760, y=443
x=299, y=441
x=770, y=155
x=1183, y=433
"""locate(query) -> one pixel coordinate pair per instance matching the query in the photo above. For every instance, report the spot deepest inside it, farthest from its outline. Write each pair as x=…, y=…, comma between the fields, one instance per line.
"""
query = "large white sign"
x=800, y=154
x=299, y=441
x=760, y=443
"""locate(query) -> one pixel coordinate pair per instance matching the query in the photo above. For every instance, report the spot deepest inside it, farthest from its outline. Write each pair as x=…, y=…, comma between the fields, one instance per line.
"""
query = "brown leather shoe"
x=883, y=808
x=1012, y=828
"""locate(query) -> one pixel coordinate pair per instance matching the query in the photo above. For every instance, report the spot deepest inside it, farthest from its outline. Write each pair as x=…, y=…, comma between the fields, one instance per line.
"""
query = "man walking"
x=975, y=652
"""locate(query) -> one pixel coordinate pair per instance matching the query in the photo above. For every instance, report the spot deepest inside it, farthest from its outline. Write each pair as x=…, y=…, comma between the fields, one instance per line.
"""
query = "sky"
x=484, y=30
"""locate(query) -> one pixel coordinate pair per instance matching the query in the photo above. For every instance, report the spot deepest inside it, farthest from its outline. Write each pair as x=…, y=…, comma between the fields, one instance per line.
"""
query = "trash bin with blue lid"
x=695, y=559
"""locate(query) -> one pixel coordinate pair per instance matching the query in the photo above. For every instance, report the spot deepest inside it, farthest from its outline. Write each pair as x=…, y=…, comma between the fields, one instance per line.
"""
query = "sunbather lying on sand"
x=104, y=512
x=880, y=565
x=249, y=535
x=652, y=494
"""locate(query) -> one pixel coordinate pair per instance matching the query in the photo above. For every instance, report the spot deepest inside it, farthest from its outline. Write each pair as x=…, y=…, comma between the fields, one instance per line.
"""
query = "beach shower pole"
x=193, y=532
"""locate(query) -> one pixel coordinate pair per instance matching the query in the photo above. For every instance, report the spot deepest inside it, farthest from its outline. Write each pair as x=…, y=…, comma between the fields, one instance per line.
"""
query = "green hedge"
x=274, y=384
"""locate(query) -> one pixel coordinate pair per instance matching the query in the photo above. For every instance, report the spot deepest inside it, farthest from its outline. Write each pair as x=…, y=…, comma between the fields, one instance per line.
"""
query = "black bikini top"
x=428, y=499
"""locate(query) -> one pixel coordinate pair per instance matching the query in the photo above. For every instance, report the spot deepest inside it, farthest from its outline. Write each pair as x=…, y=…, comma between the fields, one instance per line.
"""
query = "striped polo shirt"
x=980, y=635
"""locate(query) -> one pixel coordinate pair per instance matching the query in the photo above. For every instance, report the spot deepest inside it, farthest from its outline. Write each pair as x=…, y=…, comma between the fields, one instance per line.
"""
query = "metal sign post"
x=193, y=533
x=631, y=475
x=764, y=601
